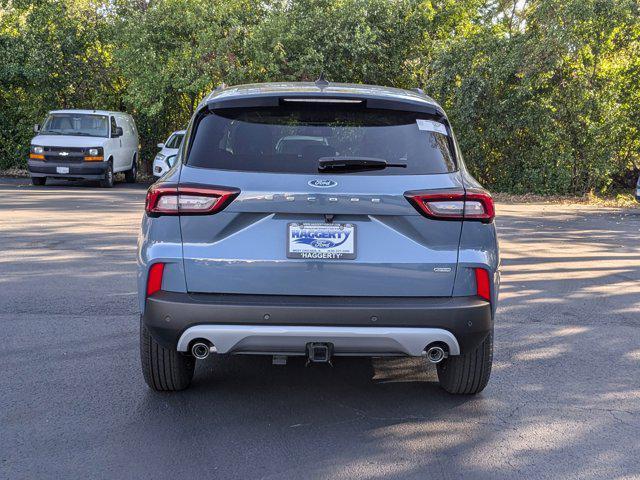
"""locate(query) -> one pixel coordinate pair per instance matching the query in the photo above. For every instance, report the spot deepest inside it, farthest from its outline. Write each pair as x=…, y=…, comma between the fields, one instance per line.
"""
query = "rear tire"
x=467, y=374
x=131, y=174
x=164, y=369
x=107, y=181
x=39, y=181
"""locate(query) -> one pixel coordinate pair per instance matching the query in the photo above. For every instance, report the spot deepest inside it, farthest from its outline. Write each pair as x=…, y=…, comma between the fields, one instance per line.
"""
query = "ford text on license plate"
x=326, y=241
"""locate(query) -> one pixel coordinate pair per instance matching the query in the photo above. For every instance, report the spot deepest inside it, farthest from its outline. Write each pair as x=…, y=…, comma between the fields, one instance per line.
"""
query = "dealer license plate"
x=323, y=241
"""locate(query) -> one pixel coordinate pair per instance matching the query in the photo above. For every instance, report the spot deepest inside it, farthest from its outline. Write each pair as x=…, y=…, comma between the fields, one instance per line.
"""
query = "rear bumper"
x=363, y=320
x=292, y=340
x=88, y=170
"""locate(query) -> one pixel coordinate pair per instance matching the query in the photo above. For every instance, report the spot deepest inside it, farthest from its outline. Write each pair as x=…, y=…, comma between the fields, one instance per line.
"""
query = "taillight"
x=154, y=280
x=458, y=205
x=479, y=206
x=483, y=287
x=188, y=200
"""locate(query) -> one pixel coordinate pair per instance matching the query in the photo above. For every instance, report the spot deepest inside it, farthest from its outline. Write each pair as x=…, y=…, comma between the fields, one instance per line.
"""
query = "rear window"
x=292, y=139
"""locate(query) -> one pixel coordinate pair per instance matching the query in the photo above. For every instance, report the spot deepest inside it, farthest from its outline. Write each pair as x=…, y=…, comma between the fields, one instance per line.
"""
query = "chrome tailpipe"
x=435, y=353
x=201, y=350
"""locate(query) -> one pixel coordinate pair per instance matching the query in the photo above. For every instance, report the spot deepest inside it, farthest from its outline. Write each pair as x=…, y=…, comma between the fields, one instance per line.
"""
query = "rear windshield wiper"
x=355, y=163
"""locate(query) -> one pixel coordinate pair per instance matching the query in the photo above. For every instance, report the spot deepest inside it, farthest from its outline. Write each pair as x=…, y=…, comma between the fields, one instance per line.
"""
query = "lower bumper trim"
x=270, y=339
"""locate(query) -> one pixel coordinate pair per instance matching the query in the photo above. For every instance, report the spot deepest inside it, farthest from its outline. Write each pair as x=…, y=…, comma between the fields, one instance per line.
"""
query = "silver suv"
x=364, y=237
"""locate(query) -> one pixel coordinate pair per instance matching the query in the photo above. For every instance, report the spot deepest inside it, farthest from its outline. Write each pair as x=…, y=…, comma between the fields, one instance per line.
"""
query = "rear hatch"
x=320, y=215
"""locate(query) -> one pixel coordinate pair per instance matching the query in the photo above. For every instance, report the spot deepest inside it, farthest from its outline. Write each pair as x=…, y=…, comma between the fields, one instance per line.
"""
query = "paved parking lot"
x=563, y=401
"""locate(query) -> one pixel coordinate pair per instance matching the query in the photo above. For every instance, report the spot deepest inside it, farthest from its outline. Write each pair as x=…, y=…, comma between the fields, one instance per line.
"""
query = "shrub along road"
x=563, y=401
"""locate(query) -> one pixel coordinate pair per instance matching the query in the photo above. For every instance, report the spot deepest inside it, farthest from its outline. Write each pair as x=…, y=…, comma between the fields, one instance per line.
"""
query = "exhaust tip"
x=200, y=350
x=435, y=353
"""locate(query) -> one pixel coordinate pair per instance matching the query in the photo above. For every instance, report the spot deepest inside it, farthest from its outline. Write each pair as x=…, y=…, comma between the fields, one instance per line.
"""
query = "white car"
x=166, y=156
x=84, y=144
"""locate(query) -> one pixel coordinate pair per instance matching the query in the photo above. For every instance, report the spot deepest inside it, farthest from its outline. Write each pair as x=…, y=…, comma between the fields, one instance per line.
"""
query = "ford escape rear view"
x=319, y=220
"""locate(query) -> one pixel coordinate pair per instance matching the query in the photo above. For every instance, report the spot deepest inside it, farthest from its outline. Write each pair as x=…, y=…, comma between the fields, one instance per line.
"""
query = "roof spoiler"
x=275, y=100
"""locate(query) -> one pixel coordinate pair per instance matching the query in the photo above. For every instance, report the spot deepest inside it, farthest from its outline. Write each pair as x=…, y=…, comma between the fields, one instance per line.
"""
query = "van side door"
x=135, y=142
x=128, y=140
x=115, y=144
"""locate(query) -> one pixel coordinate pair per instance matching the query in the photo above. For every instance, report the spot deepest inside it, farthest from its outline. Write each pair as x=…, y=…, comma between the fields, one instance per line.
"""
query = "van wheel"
x=164, y=369
x=467, y=374
x=131, y=174
x=107, y=181
x=40, y=181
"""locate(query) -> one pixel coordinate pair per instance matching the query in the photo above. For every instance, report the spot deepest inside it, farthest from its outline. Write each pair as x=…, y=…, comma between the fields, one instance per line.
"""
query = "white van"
x=84, y=144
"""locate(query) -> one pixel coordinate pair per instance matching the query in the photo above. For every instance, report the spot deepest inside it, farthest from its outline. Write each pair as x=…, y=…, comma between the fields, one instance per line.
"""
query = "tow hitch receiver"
x=319, y=353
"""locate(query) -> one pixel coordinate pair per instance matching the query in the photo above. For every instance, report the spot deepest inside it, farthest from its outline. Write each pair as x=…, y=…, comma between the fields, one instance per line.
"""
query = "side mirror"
x=118, y=133
x=161, y=145
x=36, y=128
x=171, y=161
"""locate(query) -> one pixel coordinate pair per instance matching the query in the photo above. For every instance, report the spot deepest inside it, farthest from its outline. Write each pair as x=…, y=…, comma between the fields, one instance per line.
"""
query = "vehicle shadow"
x=327, y=416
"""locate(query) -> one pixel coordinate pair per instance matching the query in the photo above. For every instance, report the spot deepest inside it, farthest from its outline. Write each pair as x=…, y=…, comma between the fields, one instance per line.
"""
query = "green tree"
x=359, y=41
x=543, y=94
x=172, y=53
x=54, y=56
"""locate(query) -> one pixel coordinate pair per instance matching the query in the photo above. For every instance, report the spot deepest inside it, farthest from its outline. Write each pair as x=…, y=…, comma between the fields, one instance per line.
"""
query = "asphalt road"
x=563, y=400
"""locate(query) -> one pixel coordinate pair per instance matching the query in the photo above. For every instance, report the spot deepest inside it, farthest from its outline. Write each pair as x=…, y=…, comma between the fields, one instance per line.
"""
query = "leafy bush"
x=543, y=95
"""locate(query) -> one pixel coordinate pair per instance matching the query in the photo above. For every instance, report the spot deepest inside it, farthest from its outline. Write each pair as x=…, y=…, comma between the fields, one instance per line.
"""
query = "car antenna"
x=322, y=82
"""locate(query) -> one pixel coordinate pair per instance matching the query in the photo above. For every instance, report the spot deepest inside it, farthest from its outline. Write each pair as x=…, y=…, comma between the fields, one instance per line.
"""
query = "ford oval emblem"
x=321, y=183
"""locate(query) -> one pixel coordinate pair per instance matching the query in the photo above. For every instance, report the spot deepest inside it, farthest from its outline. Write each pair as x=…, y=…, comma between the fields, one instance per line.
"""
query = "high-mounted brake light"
x=154, y=280
x=321, y=100
x=483, y=287
x=188, y=200
x=458, y=205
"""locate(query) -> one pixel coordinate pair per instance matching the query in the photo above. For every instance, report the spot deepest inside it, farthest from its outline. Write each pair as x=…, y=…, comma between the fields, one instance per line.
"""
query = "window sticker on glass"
x=431, y=126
